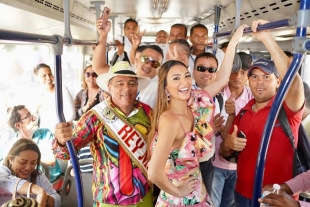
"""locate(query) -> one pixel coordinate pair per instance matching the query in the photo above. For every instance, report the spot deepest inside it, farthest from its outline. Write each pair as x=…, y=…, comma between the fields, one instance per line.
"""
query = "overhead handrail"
x=36, y=38
x=299, y=50
x=270, y=25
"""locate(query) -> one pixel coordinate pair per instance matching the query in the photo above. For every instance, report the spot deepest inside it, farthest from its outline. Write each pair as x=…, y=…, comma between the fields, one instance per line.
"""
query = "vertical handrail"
x=61, y=118
x=97, y=9
x=288, y=78
x=217, y=15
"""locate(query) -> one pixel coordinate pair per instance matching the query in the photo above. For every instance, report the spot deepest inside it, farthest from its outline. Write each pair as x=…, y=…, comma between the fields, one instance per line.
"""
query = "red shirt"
x=278, y=165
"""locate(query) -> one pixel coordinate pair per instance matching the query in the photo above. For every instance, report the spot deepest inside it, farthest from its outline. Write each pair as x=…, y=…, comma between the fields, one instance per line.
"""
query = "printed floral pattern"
x=183, y=160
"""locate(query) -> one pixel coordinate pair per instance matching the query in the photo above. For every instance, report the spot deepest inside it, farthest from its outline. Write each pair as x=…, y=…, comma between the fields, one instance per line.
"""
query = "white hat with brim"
x=121, y=68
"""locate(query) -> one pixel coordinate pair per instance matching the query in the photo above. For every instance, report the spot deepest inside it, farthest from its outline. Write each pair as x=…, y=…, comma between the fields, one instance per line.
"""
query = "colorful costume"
x=185, y=159
x=117, y=179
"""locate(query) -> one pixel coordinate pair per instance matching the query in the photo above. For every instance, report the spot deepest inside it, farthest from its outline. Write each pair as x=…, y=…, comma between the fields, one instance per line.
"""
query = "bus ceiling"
x=46, y=16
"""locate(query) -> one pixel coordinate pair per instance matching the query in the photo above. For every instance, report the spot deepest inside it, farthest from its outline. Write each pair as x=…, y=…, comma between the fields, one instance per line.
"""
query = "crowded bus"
x=154, y=103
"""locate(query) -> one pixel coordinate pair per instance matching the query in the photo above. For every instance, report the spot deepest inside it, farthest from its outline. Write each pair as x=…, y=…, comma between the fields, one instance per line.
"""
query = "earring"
x=167, y=95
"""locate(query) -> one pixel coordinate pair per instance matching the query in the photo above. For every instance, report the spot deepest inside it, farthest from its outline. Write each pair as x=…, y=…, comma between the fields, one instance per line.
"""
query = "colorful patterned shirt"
x=116, y=179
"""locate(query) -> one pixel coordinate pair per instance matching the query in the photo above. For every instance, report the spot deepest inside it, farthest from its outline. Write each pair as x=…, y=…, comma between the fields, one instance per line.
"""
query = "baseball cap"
x=267, y=66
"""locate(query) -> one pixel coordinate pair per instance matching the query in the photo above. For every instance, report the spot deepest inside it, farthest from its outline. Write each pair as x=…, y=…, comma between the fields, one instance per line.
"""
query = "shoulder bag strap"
x=286, y=126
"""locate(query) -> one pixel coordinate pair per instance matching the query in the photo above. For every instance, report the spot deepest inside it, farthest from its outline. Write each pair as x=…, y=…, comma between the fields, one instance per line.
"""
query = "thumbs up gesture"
x=230, y=104
x=233, y=142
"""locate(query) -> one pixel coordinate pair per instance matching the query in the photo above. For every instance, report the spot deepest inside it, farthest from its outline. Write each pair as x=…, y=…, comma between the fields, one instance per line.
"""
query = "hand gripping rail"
x=299, y=47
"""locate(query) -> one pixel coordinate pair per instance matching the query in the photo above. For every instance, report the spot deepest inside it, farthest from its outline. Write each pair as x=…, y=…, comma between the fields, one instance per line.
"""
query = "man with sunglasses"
x=199, y=39
x=147, y=65
x=150, y=60
x=205, y=71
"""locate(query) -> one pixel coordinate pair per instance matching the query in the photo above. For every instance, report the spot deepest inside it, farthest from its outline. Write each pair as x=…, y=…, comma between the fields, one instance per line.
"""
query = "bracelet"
x=47, y=197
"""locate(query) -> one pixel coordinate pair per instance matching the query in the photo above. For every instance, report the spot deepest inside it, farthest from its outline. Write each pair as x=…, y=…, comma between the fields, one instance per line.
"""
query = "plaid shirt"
x=116, y=178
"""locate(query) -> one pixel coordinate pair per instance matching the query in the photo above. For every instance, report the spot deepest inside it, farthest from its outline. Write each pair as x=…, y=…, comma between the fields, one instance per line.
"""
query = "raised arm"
x=99, y=58
x=295, y=95
x=224, y=72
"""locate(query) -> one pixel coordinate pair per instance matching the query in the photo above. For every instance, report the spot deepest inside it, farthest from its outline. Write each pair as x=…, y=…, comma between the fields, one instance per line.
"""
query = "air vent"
x=276, y=8
x=40, y=1
x=265, y=12
x=286, y=5
x=272, y=4
x=284, y=0
x=262, y=8
x=57, y=8
x=253, y=11
x=48, y=4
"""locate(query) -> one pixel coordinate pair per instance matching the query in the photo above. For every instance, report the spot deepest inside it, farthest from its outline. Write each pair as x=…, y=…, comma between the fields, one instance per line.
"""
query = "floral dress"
x=185, y=159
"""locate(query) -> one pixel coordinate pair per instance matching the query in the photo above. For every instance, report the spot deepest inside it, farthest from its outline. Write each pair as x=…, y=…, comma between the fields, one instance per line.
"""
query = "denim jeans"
x=241, y=201
x=223, y=187
x=207, y=171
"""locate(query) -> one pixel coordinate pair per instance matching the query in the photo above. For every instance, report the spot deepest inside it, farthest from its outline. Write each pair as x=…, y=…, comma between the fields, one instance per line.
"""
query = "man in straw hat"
x=146, y=65
x=116, y=129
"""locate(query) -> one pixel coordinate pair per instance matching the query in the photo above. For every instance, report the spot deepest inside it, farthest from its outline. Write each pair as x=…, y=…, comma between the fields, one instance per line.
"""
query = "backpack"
x=220, y=99
x=115, y=56
x=301, y=161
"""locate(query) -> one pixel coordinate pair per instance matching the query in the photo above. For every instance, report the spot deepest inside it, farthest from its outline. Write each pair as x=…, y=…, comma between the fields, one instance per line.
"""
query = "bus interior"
x=46, y=17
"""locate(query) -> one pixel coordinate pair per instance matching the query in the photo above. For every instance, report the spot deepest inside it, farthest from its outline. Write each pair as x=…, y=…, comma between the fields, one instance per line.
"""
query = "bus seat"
x=68, y=192
x=45, y=170
x=63, y=165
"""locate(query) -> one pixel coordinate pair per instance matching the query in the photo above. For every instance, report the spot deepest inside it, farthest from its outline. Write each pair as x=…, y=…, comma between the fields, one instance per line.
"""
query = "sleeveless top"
x=194, y=145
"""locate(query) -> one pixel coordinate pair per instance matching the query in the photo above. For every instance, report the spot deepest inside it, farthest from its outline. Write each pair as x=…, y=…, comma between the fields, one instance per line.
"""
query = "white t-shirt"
x=149, y=94
x=47, y=110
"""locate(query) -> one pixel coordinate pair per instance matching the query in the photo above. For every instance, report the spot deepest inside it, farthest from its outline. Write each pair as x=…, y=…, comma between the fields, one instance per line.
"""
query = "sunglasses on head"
x=203, y=69
x=146, y=60
x=87, y=74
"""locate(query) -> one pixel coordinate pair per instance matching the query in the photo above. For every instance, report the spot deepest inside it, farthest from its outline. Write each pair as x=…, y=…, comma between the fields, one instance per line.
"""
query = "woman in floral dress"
x=181, y=129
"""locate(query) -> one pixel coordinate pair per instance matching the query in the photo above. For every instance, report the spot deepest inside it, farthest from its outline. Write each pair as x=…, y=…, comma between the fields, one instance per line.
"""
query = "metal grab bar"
x=286, y=82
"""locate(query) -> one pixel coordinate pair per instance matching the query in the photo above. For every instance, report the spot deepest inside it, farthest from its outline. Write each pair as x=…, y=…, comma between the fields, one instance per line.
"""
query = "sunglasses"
x=203, y=69
x=146, y=60
x=94, y=75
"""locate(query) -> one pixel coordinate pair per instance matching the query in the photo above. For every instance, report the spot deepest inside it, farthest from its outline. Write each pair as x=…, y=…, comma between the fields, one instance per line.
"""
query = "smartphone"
x=241, y=135
x=105, y=17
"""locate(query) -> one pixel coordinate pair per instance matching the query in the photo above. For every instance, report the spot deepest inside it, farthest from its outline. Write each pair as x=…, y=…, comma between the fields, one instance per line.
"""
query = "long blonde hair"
x=162, y=102
x=84, y=85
